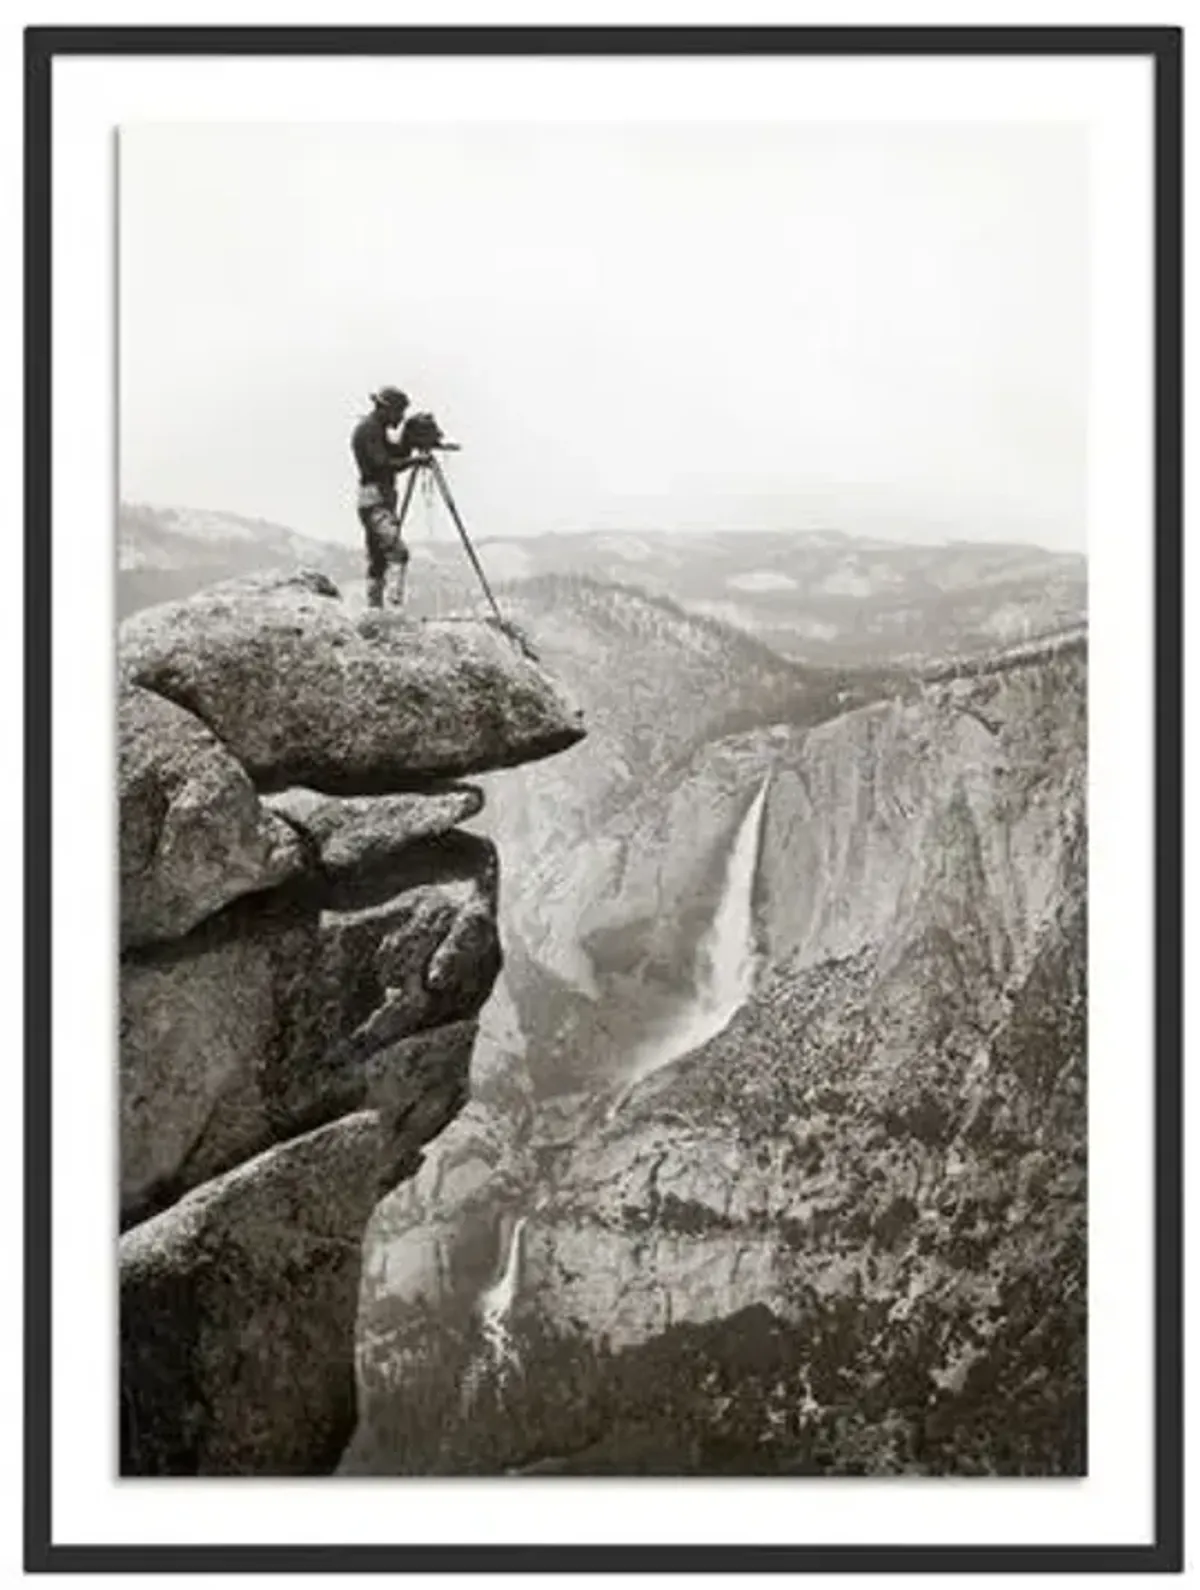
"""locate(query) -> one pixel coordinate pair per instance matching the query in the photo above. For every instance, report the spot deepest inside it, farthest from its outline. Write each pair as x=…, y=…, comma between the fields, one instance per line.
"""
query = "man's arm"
x=399, y=456
x=379, y=454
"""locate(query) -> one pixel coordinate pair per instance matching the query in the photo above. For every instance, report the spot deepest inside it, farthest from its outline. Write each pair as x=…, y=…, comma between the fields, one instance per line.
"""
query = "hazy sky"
x=878, y=328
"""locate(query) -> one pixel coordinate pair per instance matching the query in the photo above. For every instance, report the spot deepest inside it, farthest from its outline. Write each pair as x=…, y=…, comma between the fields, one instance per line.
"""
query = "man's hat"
x=390, y=397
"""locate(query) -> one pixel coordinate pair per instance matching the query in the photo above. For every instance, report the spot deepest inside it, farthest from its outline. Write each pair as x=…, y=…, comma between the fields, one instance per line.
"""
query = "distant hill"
x=825, y=597
x=819, y=597
x=166, y=553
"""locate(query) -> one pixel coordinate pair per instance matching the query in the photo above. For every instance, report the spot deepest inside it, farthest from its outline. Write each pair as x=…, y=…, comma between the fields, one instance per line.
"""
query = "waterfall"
x=723, y=976
x=495, y=1306
x=724, y=966
x=499, y=1355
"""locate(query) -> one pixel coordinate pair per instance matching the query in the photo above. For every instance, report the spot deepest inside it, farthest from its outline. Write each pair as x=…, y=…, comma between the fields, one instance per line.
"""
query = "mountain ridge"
x=819, y=596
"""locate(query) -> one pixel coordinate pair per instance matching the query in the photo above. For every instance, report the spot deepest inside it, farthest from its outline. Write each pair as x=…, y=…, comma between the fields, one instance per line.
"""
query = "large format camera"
x=421, y=433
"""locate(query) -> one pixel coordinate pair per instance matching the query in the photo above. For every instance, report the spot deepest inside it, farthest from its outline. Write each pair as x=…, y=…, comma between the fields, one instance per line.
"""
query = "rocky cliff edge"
x=307, y=938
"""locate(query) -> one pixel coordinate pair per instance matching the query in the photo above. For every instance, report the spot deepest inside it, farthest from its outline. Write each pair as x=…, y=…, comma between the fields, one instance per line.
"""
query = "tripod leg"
x=440, y=478
x=399, y=579
x=406, y=500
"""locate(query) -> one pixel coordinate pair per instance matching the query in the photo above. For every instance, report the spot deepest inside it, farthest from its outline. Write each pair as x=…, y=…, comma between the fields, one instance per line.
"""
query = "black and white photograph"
x=601, y=794
x=606, y=979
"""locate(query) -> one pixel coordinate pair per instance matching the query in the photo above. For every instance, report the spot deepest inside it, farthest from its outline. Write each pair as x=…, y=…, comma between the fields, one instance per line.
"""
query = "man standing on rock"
x=379, y=460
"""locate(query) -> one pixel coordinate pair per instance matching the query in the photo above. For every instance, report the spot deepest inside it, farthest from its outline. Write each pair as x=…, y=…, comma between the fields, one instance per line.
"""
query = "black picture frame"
x=1162, y=46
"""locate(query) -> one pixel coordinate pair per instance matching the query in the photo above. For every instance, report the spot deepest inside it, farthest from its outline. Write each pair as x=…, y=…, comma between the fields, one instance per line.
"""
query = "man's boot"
x=375, y=592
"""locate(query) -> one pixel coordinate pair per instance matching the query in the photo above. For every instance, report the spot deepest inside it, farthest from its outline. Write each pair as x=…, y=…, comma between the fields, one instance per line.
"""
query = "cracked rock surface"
x=308, y=937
